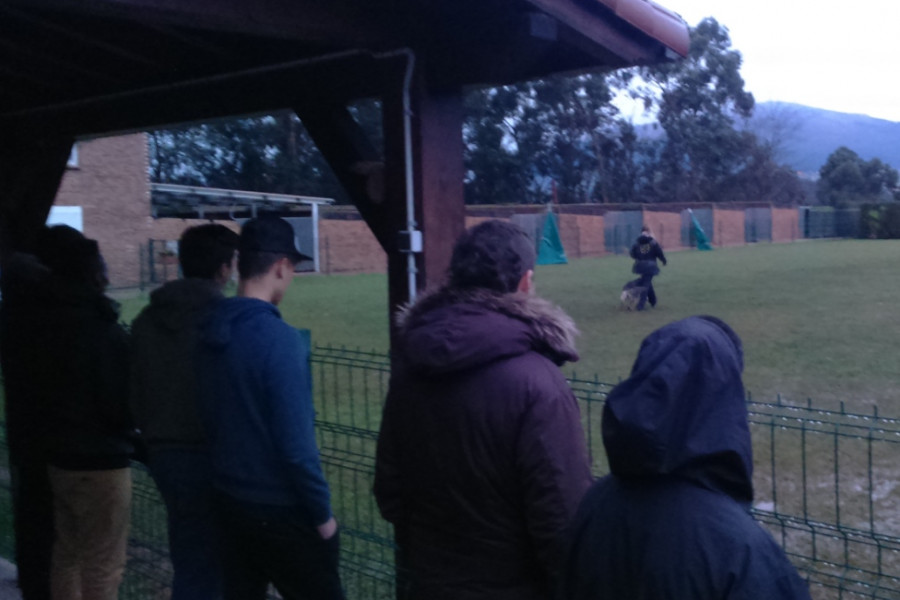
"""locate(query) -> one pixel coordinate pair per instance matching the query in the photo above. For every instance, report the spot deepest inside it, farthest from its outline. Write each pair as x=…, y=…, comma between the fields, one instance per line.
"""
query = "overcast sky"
x=842, y=56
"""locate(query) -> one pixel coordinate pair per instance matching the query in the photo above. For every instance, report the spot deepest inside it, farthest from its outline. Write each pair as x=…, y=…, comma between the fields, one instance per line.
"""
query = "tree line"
x=562, y=138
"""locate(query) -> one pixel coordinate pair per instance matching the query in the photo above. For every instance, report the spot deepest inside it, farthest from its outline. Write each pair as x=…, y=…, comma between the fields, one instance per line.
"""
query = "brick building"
x=108, y=178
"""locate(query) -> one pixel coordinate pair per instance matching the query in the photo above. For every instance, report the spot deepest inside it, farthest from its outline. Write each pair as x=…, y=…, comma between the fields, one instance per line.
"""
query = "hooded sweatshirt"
x=481, y=458
x=672, y=520
x=163, y=382
x=256, y=408
x=645, y=252
x=65, y=367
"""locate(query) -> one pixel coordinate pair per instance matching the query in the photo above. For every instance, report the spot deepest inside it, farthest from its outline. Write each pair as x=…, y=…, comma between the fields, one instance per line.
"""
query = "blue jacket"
x=256, y=408
x=672, y=521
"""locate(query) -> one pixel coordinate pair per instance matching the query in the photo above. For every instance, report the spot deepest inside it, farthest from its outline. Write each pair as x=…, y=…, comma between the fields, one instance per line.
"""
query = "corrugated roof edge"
x=656, y=21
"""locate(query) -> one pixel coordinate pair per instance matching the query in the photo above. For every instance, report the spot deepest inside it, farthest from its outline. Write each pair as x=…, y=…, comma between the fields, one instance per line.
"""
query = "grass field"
x=818, y=319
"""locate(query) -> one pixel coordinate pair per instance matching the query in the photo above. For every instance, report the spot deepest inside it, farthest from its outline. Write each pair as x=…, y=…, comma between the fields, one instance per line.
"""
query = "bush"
x=879, y=221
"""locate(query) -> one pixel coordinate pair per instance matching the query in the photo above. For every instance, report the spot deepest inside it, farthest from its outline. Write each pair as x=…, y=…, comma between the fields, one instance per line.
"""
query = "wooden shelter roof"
x=83, y=67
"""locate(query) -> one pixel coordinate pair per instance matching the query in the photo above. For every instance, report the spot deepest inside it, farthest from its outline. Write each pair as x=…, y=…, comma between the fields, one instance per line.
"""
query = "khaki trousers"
x=92, y=511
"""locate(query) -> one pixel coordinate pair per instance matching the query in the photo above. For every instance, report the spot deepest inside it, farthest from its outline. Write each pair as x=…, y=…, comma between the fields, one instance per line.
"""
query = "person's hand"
x=328, y=529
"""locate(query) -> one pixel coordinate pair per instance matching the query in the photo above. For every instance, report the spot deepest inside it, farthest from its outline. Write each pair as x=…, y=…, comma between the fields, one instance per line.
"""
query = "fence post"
x=152, y=263
x=141, y=258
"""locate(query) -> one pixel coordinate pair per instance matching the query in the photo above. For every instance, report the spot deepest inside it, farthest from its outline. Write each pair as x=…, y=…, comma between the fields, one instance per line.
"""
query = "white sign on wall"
x=66, y=215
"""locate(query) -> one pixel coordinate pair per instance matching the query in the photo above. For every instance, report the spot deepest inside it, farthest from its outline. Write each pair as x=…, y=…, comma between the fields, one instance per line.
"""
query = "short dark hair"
x=252, y=263
x=203, y=249
x=493, y=255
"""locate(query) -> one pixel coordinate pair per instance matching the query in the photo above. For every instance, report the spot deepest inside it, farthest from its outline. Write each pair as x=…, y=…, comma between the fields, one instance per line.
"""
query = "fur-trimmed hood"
x=451, y=330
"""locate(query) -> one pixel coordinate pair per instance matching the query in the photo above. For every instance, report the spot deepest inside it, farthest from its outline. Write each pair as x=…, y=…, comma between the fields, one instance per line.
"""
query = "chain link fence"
x=827, y=486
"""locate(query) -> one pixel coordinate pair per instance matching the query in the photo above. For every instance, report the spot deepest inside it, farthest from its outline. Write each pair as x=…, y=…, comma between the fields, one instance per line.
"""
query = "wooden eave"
x=85, y=67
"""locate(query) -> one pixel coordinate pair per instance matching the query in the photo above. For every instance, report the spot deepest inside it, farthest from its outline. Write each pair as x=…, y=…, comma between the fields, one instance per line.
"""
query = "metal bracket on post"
x=410, y=241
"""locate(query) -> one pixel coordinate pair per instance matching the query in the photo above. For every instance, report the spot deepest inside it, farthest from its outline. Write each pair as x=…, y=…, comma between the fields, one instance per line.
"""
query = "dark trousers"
x=184, y=479
x=646, y=282
x=273, y=544
x=33, y=525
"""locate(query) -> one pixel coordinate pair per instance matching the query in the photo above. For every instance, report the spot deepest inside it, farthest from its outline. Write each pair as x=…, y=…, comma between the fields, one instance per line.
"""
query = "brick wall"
x=473, y=221
x=665, y=226
x=581, y=235
x=785, y=225
x=111, y=186
x=729, y=227
x=171, y=229
x=349, y=246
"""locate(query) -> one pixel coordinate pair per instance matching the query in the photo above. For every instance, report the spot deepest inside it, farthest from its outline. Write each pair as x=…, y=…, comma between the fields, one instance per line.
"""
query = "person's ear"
x=286, y=268
x=224, y=273
x=526, y=284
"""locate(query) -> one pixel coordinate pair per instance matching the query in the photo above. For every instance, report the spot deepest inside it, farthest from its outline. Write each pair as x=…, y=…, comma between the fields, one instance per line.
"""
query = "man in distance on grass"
x=481, y=459
x=164, y=403
x=645, y=252
x=255, y=385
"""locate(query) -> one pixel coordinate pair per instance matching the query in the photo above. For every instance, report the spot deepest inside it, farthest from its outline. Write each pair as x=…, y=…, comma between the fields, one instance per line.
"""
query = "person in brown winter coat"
x=481, y=458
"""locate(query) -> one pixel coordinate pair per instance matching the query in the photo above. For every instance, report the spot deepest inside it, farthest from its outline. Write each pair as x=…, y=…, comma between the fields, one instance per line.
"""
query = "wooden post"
x=437, y=161
x=30, y=173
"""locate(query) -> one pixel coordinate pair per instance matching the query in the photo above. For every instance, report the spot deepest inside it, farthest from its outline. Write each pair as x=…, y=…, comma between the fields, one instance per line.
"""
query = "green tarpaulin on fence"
x=699, y=235
x=550, y=248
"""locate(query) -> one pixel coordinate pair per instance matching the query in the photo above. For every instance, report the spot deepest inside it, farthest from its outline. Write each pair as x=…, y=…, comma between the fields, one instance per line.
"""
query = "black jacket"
x=164, y=339
x=65, y=369
x=671, y=521
x=481, y=459
x=645, y=252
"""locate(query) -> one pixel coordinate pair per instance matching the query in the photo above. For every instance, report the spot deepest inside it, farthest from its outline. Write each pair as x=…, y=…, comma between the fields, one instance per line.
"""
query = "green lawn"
x=818, y=319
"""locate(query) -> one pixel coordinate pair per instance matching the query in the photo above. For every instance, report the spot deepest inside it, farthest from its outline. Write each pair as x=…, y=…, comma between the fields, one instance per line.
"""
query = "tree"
x=845, y=179
x=698, y=101
x=495, y=170
x=270, y=153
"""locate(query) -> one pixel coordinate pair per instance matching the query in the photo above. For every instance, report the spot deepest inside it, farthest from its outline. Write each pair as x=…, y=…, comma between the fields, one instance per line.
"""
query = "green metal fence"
x=827, y=486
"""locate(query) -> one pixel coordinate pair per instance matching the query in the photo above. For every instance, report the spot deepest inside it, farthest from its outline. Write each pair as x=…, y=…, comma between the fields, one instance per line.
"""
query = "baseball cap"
x=269, y=233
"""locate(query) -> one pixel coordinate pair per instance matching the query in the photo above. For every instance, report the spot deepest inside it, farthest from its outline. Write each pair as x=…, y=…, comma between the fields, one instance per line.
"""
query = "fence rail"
x=827, y=486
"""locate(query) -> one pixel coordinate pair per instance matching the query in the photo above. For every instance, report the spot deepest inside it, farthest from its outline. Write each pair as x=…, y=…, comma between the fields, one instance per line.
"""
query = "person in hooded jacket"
x=65, y=361
x=672, y=519
x=164, y=403
x=27, y=290
x=481, y=458
x=645, y=252
x=255, y=390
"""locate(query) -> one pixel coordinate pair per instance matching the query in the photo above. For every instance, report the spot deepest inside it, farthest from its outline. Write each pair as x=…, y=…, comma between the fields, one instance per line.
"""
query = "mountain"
x=805, y=136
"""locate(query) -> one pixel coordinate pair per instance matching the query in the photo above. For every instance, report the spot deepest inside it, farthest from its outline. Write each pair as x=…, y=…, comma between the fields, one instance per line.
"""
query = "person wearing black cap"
x=255, y=392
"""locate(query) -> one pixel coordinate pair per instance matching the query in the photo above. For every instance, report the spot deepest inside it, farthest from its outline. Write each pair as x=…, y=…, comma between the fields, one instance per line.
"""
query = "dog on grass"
x=631, y=295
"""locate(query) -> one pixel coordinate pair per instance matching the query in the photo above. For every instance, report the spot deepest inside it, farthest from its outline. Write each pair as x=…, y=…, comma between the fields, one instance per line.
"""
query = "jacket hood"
x=682, y=411
x=32, y=286
x=645, y=238
x=24, y=276
x=452, y=330
x=216, y=329
x=173, y=305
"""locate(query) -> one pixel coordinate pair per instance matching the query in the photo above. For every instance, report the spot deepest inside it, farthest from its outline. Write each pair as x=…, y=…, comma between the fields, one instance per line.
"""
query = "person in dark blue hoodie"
x=672, y=520
x=645, y=252
x=255, y=395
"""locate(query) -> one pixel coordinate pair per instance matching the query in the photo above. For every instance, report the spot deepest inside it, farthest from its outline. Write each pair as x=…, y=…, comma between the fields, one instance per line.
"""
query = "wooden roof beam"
x=312, y=22
x=342, y=76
